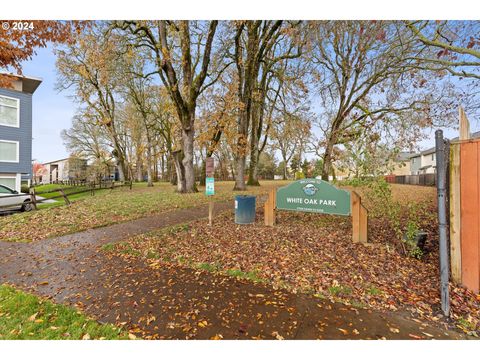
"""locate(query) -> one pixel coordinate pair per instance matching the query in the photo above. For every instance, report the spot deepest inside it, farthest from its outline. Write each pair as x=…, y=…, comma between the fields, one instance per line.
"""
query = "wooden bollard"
x=269, y=207
x=359, y=219
x=67, y=201
x=33, y=198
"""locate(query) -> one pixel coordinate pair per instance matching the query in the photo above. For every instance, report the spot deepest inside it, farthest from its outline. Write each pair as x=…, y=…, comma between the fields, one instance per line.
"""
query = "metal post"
x=442, y=220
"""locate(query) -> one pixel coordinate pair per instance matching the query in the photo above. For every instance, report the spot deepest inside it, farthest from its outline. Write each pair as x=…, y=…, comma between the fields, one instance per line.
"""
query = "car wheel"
x=27, y=206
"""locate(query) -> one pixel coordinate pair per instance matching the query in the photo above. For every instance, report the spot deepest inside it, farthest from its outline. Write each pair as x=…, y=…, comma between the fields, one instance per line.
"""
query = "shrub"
x=355, y=182
x=299, y=175
x=404, y=222
x=410, y=236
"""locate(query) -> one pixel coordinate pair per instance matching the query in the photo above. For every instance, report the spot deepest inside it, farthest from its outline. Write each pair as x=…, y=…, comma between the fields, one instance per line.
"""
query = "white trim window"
x=9, y=151
x=12, y=181
x=9, y=111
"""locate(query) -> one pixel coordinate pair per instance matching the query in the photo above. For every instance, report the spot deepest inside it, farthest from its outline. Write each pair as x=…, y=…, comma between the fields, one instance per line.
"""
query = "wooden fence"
x=464, y=200
x=421, y=179
x=64, y=193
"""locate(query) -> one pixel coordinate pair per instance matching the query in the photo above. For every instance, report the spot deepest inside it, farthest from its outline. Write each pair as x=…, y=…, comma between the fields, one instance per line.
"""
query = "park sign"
x=210, y=166
x=209, y=186
x=210, y=180
x=313, y=195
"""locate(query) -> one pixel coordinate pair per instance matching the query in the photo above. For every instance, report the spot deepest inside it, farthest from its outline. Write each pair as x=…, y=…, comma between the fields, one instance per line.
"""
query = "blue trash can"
x=244, y=209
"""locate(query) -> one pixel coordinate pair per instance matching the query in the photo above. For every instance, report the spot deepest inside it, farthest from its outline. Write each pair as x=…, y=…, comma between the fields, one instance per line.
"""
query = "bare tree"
x=365, y=73
x=182, y=52
x=253, y=40
x=89, y=65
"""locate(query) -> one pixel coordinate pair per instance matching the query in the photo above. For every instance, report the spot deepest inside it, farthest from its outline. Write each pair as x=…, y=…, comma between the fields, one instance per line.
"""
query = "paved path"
x=173, y=302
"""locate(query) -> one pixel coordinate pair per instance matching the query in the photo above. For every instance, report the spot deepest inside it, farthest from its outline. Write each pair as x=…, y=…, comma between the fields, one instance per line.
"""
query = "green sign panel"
x=312, y=195
x=210, y=186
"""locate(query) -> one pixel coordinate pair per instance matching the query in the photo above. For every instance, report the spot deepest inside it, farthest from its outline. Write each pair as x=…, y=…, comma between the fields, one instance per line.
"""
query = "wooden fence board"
x=355, y=206
x=269, y=207
x=464, y=125
x=363, y=224
x=469, y=204
x=455, y=248
x=477, y=274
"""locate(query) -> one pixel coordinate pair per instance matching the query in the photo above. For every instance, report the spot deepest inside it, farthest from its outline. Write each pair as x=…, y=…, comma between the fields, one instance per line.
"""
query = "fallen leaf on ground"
x=277, y=335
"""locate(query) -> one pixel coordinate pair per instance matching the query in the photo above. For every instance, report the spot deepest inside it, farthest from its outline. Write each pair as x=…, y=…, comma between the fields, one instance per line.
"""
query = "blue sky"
x=53, y=111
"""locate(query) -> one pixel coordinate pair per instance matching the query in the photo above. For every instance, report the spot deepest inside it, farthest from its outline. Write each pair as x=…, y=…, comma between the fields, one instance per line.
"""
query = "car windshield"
x=5, y=190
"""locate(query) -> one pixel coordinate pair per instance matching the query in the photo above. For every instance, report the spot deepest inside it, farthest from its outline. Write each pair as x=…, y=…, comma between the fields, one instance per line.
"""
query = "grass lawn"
x=109, y=207
x=47, y=191
x=25, y=316
x=50, y=187
x=72, y=198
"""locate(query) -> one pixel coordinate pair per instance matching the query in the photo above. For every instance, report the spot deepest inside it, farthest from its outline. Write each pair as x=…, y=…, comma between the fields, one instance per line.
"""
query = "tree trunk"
x=327, y=161
x=240, y=175
x=155, y=164
x=241, y=151
x=254, y=151
x=121, y=170
x=162, y=167
x=138, y=169
x=171, y=175
x=149, y=167
x=204, y=173
x=253, y=168
x=187, y=138
x=180, y=170
x=232, y=169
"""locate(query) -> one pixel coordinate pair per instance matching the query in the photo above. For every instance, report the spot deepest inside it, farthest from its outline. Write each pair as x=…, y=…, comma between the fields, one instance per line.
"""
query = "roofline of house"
x=30, y=83
x=54, y=161
x=428, y=151
x=67, y=158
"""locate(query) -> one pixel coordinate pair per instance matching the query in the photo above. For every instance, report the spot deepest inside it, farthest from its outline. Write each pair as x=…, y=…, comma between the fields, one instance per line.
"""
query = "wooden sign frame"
x=358, y=212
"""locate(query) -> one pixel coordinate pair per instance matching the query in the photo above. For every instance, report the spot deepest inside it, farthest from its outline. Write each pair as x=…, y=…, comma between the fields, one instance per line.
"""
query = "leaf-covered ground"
x=314, y=254
x=25, y=316
x=110, y=207
x=158, y=294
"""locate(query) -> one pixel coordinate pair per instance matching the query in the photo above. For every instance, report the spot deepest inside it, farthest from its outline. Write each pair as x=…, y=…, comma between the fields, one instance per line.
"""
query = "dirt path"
x=178, y=302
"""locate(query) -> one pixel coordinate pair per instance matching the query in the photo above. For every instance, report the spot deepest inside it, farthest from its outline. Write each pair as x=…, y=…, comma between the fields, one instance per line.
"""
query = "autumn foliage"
x=17, y=45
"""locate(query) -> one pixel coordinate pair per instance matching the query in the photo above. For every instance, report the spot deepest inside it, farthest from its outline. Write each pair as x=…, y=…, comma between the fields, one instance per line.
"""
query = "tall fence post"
x=67, y=201
x=455, y=209
x=442, y=220
x=33, y=198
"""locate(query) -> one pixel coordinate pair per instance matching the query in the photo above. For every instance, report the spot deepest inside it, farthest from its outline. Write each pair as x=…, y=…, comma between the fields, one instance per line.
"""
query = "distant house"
x=72, y=168
x=415, y=164
x=16, y=131
x=425, y=161
x=401, y=164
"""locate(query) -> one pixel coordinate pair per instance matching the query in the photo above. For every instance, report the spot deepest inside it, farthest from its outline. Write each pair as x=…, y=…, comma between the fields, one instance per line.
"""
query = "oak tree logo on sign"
x=310, y=189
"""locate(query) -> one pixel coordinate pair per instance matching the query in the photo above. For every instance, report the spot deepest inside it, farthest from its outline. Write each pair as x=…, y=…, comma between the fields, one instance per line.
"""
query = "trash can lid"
x=238, y=197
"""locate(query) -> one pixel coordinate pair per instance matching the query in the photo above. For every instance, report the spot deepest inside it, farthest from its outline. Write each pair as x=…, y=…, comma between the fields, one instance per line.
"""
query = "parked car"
x=13, y=200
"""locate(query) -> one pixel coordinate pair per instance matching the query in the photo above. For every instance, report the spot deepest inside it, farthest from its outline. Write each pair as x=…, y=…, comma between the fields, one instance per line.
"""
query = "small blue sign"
x=210, y=186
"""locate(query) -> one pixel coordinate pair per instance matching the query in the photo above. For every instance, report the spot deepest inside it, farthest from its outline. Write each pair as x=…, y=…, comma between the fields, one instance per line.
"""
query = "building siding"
x=23, y=135
x=415, y=164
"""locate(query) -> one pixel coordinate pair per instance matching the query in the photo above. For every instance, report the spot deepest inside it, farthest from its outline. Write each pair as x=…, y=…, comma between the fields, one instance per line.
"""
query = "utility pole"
x=442, y=219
